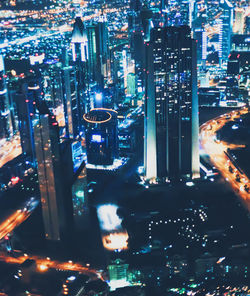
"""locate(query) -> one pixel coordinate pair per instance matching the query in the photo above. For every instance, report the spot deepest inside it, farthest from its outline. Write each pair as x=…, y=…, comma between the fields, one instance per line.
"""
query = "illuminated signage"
x=96, y=138
x=37, y=59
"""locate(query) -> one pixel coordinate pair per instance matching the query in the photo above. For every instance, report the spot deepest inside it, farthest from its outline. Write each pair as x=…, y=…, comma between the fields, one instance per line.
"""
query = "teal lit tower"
x=98, y=48
x=171, y=148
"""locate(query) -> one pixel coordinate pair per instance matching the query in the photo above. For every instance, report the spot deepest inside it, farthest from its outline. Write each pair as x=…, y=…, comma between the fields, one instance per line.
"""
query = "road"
x=44, y=264
x=9, y=149
x=216, y=150
x=18, y=217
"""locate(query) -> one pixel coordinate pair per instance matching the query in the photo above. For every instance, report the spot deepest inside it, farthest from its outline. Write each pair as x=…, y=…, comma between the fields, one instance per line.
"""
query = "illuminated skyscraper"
x=200, y=35
x=69, y=94
x=6, y=129
x=79, y=44
x=26, y=99
x=50, y=176
x=171, y=105
x=98, y=48
x=226, y=26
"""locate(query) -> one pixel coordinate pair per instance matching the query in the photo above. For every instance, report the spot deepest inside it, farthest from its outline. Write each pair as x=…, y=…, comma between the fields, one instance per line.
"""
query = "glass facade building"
x=171, y=105
x=101, y=136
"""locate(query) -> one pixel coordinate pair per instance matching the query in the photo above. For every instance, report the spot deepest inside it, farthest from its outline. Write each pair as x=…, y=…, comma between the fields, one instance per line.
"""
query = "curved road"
x=216, y=150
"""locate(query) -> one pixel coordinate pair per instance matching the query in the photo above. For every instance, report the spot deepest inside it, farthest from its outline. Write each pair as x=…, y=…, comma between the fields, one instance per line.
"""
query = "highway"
x=18, y=217
x=216, y=150
x=9, y=149
x=44, y=264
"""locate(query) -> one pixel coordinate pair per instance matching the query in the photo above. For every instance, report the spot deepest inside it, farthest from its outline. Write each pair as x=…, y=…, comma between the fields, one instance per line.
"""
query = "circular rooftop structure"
x=33, y=86
x=98, y=115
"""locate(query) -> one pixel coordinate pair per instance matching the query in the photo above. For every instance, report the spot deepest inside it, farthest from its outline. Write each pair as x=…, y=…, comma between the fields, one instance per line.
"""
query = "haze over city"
x=124, y=147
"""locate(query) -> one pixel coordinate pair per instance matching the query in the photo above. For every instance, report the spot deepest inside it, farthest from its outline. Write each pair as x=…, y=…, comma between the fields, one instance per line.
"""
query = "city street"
x=9, y=149
x=44, y=264
x=17, y=218
x=216, y=150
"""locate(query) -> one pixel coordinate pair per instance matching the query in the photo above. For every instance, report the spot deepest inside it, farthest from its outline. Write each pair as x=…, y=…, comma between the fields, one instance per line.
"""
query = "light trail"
x=17, y=218
x=44, y=264
x=9, y=149
x=216, y=151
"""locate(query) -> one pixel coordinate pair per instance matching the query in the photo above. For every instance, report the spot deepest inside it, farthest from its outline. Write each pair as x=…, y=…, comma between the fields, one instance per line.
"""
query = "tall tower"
x=226, y=25
x=26, y=99
x=79, y=45
x=171, y=147
x=69, y=94
x=200, y=35
x=99, y=60
x=6, y=129
x=46, y=135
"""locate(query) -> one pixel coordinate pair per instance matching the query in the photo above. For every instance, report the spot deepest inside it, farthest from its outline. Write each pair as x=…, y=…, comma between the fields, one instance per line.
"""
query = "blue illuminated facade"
x=101, y=136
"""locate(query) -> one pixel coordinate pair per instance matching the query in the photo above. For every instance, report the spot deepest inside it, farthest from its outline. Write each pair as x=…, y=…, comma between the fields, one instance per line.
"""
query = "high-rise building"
x=118, y=274
x=171, y=105
x=99, y=60
x=69, y=94
x=239, y=20
x=79, y=44
x=6, y=129
x=26, y=99
x=101, y=136
x=50, y=176
x=179, y=13
x=226, y=26
x=200, y=35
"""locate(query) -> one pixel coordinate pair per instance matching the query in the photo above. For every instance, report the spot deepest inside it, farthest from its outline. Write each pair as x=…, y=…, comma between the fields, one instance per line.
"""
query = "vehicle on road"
x=237, y=178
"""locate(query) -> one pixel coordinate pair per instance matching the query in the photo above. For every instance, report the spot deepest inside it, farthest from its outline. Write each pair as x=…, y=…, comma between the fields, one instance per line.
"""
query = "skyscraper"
x=79, y=44
x=6, y=129
x=98, y=62
x=26, y=99
x=101, y=136
x=171, y=105
x=69, y=94
x=200, y=35
x=46, y=134
x=226, y=25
